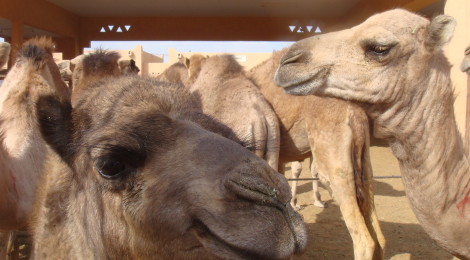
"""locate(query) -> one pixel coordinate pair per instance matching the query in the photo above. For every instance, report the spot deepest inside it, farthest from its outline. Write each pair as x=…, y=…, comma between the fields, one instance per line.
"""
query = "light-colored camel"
x=176, y=73
x=4, y=53
x=465, y=65
x=394, y=66
x=224, y=92
x=336, y=133
x=133, y=177
x=111, y=65
x=180, y=72
x=22, y=151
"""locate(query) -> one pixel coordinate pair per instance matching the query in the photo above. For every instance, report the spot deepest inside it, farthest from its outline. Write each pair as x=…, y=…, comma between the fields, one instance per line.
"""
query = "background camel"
x=465, y=65
x=4, y=53
x=220, y=85
x=176, y=73
x=394, y=66
x=22, y=151
x=132, y=177
x=336, y=133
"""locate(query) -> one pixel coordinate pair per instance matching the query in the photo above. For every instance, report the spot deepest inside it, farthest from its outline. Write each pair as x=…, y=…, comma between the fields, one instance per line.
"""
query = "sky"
x=161, y=47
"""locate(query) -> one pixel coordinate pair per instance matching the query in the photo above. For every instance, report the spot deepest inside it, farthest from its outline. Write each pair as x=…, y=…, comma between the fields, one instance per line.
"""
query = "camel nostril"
x=291, y=57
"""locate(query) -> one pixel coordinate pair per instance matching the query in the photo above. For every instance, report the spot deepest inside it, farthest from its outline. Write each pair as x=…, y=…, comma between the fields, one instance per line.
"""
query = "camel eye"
x=110, y=168
x=379, y=49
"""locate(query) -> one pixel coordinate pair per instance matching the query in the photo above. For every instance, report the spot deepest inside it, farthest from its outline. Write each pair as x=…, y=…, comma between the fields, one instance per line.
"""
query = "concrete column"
x=17, y=38
x=68, y=46
x=460, y=10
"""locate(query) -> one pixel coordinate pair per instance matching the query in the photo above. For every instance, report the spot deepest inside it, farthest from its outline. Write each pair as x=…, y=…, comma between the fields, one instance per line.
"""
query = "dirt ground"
x=329, y=237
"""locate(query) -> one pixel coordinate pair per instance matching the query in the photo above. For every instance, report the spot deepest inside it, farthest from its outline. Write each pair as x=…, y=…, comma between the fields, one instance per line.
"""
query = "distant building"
x=153, y=65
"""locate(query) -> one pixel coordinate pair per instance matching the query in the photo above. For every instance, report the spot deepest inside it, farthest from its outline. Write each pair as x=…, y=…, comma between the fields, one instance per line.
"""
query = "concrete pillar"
x=68, y=46
x=460, y=10
x=17, y=38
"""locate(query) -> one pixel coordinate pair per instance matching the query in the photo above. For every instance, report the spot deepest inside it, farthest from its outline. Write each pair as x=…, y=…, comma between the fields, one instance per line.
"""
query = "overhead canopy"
x=75, y=23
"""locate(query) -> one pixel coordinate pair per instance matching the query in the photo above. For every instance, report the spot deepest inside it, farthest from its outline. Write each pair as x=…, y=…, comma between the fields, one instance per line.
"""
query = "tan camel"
x=336, y=133
x=465, y=65
x=223, y=91
x=22, y=151
x=394, y=66
x=115, y=66
x=4, y=53
x=179, y=73
x=176, y=73
x=133, y=177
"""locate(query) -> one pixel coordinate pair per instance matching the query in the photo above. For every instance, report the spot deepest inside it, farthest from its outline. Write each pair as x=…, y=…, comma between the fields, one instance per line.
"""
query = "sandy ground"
x=329, y=237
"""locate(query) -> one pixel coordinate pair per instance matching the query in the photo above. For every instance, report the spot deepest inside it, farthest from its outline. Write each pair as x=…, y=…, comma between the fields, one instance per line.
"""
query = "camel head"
x=127, y=66
x=165, y=187
x=465, y=65
x=194, y=65
x=87, y=70
x=382, y=60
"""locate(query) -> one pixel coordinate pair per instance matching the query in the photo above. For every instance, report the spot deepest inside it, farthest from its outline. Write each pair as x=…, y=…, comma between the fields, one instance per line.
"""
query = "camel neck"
x=424, y=137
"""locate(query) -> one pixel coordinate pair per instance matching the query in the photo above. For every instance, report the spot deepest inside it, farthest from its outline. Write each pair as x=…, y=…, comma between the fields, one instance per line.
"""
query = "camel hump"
x=36, y=50
x=100, y=61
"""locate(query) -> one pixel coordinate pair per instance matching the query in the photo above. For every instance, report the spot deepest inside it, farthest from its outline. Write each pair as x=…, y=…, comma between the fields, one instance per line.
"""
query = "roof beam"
x=42, y=15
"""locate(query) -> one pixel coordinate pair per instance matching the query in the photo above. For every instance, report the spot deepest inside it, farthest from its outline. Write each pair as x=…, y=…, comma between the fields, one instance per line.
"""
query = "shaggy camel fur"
x=176, y=73
x=4, y=53
x=394, y=66
x=336, y=133
x=108, y=65
x=133, y=177
x=465, y=65
x=22, y=151
x=220, y=85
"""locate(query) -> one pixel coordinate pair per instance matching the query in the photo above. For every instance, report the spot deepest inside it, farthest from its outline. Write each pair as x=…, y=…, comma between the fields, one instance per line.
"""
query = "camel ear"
x=440, y=31
x=187, y=62
x=55, y=123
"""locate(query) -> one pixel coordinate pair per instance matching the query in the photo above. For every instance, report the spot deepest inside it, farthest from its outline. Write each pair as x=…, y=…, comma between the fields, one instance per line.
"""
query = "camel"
x=22, y=150
x=465, y=65
x=132, y=176
x=336, y=133
x=110, y=64
x=176, y=73
x=393, y=65
x=220, y=85
x=4, y=53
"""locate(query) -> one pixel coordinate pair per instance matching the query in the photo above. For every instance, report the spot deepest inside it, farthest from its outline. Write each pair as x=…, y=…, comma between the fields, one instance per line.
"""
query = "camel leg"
x=316, y=194
x=344, y=192
x=364, y=230
x=11, y=245
x=296, y=169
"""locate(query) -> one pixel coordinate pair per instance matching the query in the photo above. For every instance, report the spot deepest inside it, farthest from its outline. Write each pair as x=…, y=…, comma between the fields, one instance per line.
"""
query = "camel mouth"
x=218, y=246
x=297, y=81
x=264, y=195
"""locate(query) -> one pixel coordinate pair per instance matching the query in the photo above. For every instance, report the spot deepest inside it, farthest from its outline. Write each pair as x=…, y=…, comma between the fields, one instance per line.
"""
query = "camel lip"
x=306, y=84
x=208, y=238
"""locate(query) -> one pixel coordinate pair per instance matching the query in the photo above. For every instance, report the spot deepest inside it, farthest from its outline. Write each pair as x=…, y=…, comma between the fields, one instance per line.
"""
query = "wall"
x=460, y=10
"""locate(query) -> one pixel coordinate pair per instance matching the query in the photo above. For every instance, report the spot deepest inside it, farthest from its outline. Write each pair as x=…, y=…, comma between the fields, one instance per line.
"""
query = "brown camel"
x=465, y=65
x=131, y=176
x=224, y=92
x=394, y=66
x=336, y=133
x=22, y=151
x=176, y=73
